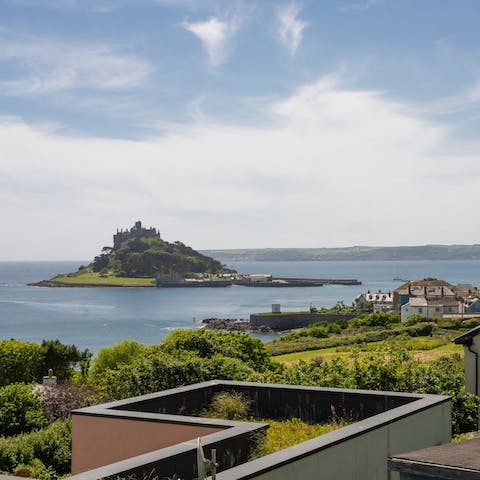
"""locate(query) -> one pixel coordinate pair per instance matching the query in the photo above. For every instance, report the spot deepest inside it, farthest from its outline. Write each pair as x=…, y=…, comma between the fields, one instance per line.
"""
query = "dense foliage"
x=50, y=446
x=20, y=362
x=21, y=410
x=393, y=370
x=300, y=341
x=112, y=358
x=28, y=362
x=207, y=343
x=159, y=371
x=190, y=356
x=147, y=257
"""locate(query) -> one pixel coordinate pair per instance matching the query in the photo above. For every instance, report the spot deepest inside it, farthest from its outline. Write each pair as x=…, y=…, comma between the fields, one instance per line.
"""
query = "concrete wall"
x=361, y=457
x=472, y=366
x=287, y=321
x=98, y=441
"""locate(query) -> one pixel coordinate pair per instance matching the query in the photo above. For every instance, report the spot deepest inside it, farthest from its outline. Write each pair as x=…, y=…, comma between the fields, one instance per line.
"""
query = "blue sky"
x=238, y=123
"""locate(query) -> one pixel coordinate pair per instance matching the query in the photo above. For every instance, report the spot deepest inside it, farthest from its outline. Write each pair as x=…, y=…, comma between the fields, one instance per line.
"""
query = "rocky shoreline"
x=234, y=325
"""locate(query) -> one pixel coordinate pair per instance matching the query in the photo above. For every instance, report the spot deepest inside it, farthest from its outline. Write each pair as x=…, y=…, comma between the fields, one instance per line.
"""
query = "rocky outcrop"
x=233, y=325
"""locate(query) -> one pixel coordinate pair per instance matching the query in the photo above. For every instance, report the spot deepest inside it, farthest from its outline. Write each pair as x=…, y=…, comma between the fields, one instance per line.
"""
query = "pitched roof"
x=426, y=282
x=463, y=339
x=431, y=302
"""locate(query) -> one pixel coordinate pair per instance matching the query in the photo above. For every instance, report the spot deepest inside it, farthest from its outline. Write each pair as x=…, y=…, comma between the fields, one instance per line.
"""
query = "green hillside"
x=359, y=253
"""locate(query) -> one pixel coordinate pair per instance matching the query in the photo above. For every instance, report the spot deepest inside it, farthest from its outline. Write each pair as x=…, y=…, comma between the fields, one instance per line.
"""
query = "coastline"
x=55, y=284
x=276, y=282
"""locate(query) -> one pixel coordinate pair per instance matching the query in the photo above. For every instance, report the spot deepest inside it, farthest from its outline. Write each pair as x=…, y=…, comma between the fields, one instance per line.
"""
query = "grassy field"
x=96, y=279
x=423, y=348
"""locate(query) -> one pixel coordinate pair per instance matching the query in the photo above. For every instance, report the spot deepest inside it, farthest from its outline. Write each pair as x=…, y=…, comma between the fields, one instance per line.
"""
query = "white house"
x=381, y=301
x=431, y=307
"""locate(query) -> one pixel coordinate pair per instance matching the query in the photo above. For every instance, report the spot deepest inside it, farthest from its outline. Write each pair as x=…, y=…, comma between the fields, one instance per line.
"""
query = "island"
x=141, y=258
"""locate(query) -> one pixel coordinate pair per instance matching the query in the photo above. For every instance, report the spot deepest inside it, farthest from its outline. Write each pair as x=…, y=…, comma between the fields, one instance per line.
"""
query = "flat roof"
x=450, y=461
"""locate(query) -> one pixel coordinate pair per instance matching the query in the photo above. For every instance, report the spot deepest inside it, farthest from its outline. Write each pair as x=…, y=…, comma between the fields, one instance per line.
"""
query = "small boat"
x=397, y=278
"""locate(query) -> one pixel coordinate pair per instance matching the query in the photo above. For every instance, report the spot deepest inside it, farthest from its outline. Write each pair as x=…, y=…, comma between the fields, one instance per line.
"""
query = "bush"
x=207, y=343
x=51, y=446
x=36, y=469
x=229, y=406
x=414, y=319
x=393, y=369
x=21, y=410
x=20, y=362
x=301, y=344
x=159, y=371
x=378, y=319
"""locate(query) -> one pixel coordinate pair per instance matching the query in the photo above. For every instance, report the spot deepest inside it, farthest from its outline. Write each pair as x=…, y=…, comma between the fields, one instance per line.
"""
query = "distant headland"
x=357, y=253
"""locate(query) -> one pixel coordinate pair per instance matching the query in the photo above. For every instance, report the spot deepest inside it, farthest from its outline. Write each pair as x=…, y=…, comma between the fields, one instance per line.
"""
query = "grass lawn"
x=422, y=348
x=96, y=279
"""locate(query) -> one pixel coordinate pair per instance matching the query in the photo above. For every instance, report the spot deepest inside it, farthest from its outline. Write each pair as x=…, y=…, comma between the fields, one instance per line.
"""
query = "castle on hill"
x=135, y=232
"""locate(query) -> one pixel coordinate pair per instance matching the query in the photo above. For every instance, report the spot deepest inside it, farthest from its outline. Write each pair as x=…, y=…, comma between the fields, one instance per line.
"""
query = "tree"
x=112, y=358
x=61, y=358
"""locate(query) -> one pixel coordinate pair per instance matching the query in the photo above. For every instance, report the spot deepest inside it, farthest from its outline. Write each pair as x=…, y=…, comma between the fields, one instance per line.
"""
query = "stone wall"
x=289, y=321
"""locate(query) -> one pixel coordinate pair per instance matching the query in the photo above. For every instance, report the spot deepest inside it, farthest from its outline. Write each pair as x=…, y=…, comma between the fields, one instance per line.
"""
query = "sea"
x=96, y=317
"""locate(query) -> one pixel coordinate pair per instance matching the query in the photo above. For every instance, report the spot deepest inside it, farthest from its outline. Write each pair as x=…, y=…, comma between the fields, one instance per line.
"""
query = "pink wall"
x=98, y=441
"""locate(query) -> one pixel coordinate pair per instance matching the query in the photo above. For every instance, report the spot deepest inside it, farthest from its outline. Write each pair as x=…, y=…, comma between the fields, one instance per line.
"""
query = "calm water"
x=95, y=317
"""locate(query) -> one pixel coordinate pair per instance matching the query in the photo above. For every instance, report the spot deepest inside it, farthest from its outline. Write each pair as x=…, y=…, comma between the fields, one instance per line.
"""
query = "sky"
x=238, y=123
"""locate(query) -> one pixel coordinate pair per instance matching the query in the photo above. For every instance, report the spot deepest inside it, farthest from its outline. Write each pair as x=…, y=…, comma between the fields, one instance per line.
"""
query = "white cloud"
x=33, y=65
x=214, y=35
x=359, y=6
x=290, y=27
x=335, y=166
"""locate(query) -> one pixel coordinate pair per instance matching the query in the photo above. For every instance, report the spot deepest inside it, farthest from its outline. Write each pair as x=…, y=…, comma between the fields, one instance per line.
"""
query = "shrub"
x=21, y=410
x=378, y=319
x=414, y=319
x=159, y=371
x=20, y=362
x=36, y=469
x=393, y=369
x=207, y=343
x=51, y=446
x=229, y=406
x=300, y=344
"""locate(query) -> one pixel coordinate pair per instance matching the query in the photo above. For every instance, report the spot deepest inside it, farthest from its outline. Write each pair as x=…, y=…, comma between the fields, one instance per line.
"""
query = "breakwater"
x=279, y=282
x=323, y=281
